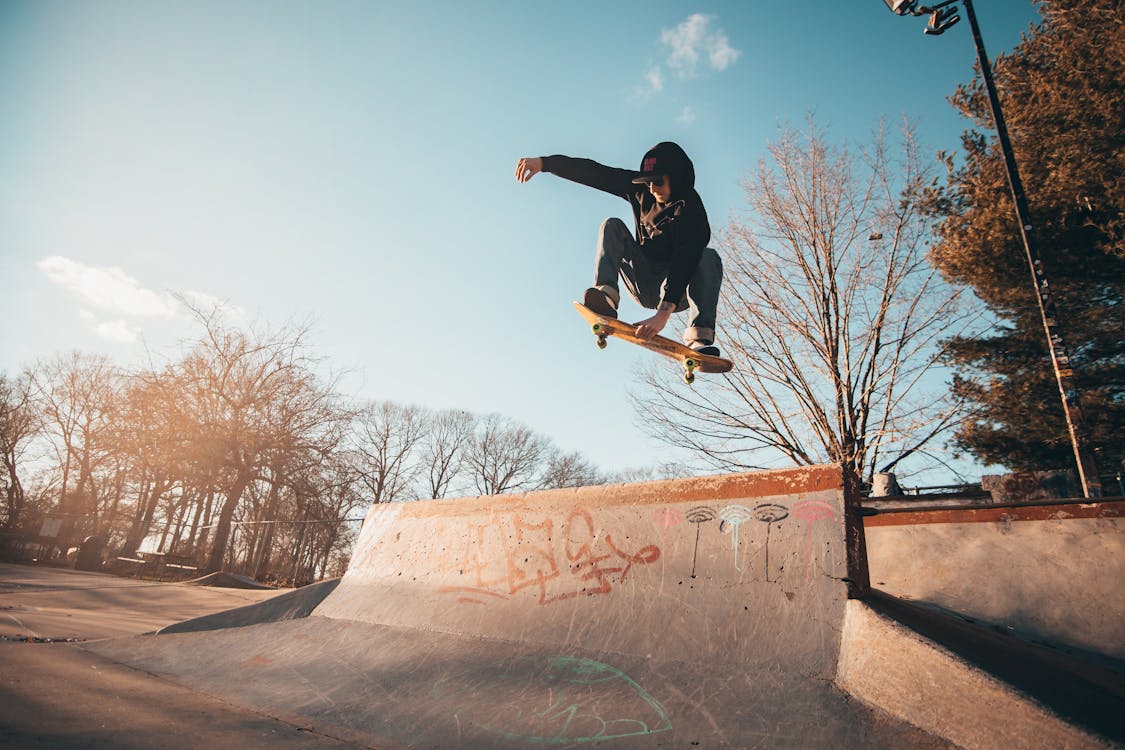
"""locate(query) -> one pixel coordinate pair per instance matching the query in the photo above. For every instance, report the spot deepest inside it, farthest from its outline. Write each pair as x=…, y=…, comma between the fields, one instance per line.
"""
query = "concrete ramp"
x=748, y=569
x=703, y=612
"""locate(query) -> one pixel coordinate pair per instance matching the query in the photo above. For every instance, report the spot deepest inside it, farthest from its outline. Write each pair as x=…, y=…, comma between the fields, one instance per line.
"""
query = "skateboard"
x=603, y=328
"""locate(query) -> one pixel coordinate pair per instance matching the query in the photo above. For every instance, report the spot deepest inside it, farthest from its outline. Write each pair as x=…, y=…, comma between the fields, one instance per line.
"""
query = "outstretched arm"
x=528, y=167
x=586, y=172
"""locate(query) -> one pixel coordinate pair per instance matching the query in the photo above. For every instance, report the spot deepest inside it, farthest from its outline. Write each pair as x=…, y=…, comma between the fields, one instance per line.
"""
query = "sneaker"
x=599, y=302
x=706, y=349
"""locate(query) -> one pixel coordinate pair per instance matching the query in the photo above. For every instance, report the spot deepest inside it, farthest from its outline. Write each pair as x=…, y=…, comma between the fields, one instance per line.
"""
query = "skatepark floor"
x=54, y=694
x=57, y=693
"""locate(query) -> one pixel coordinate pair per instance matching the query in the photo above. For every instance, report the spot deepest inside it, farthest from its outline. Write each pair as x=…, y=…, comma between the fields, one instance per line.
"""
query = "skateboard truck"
x=689, y=369
x=691, y=361
x=602, y=332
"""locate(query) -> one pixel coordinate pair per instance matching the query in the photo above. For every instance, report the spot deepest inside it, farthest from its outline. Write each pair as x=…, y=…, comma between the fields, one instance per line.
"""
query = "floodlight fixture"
x=901, y=7
x=940, y=20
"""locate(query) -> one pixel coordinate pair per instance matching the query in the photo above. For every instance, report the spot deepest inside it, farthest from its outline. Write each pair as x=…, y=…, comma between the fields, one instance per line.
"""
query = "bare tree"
x=76, y=396
x=569, y=470
x=250, y=398
x=653, y=473
x=154, y=445
x=18, y=425
x=504, y=456
x=387, y=441
x=443, y=447
x=831, y=313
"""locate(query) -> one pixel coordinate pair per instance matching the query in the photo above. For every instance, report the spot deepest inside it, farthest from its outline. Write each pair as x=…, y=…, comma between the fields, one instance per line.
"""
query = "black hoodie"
x=672, y=235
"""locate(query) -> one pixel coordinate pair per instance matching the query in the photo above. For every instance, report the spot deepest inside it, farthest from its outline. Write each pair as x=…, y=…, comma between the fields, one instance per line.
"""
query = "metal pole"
x=1060, y=359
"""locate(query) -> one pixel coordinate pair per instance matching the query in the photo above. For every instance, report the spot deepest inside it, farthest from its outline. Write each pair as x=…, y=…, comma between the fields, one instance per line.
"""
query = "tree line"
x=239, y=456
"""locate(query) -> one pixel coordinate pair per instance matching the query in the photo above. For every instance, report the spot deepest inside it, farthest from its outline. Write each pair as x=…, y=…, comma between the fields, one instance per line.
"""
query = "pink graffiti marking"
x=666, y=518
x=811, y=512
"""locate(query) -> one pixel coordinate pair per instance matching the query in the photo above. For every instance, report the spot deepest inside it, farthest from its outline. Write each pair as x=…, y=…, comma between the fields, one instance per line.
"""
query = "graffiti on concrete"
x=666, y=518
x=698, y=515
x=555, y=701
x=811, y=512
x=513, y=551
x=733, y=516
x=584, y=552
x=769, y=514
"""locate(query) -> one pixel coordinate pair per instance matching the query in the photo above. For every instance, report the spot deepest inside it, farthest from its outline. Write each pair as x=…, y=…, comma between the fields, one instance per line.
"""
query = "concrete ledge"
x=889, y=666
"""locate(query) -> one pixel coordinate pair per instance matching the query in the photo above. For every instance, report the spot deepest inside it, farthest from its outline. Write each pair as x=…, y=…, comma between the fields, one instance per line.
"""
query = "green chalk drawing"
x=564, y=700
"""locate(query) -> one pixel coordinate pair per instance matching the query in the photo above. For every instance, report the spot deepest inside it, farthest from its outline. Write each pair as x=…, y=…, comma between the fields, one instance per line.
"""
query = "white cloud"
x=202, y=300
x=117, y=330
x=696, y=39
x=209, y=302
x=655, y=79
x=110, y=298
x=687, y=116
x=108, y=288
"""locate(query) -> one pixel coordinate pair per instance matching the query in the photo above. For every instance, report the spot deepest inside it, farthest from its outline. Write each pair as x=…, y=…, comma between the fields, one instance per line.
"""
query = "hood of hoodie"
x=668, y=158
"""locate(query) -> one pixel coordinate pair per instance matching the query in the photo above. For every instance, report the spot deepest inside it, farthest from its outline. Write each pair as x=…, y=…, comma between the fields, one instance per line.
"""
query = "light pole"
x=942, y=16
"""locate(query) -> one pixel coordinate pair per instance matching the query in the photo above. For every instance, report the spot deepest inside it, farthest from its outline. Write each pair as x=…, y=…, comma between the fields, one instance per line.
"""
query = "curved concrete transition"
x=291, y=605
x=703, y=612
x=223, y=579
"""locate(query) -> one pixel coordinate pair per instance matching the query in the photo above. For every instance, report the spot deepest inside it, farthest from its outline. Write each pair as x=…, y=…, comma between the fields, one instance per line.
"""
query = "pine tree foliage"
x=1062, y=90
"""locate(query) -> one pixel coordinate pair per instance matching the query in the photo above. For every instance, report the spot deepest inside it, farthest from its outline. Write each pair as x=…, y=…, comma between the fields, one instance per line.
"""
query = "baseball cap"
x=666, y=158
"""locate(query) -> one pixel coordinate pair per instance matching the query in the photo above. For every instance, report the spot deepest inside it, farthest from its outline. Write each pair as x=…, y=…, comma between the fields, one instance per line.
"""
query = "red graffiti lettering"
x=511, y=553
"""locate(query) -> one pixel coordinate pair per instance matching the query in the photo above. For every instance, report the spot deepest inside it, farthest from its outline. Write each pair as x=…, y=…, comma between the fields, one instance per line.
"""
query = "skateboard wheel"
x=601, y=342
x=689, y=377
x=598, y=329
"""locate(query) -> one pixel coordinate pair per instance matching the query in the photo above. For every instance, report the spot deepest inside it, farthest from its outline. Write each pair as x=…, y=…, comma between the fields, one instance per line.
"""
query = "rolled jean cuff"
x=695, y=333
x=612, y=293
x=680, y=307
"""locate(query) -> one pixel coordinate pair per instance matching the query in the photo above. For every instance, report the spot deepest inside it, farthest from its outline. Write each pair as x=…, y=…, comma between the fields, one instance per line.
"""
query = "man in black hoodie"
x=667, y=265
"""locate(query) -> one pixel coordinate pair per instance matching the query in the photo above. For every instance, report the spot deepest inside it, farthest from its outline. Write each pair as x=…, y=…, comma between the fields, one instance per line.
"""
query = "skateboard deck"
x=691, y=360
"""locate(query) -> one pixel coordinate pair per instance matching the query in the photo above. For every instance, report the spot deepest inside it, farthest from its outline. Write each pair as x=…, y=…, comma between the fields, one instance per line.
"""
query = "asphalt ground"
x=55, y=694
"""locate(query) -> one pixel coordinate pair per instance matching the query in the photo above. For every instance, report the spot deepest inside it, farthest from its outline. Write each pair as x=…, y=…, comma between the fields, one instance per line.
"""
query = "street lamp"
x=942, y=16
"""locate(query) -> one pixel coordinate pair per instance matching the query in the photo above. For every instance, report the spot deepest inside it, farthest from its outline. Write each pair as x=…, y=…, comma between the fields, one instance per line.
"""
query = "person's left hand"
x=528, y=167
x=646, y=329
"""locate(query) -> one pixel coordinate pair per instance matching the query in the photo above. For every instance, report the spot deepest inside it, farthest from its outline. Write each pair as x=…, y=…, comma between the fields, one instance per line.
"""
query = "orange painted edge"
x=1112, y=509
x=689, y=489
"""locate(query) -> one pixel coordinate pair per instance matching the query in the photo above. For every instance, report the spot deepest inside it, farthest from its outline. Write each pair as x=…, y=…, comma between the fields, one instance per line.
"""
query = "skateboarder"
x=667, y=266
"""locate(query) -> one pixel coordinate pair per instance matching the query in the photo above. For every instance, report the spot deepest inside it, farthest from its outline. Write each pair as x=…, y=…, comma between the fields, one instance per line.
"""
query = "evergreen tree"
x=1063, y=94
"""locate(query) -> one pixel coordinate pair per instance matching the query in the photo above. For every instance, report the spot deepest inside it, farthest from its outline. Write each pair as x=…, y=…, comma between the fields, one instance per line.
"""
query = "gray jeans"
x=619, y=255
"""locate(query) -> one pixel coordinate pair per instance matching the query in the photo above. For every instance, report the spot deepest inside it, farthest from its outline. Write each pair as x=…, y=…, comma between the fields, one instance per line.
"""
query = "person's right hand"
x=528, y=167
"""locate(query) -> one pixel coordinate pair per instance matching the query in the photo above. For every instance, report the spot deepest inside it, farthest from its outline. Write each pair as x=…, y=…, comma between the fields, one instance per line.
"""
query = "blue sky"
x=350, y=164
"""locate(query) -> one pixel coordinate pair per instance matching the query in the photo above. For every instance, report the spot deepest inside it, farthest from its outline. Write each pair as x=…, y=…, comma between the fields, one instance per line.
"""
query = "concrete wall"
x=746, y=568
x=1054, y=573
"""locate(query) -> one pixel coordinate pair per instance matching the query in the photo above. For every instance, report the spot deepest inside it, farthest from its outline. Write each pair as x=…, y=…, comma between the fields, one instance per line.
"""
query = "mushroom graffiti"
x=769, y=514
x=698, y=515
x=734, y=516
x=810, y=512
